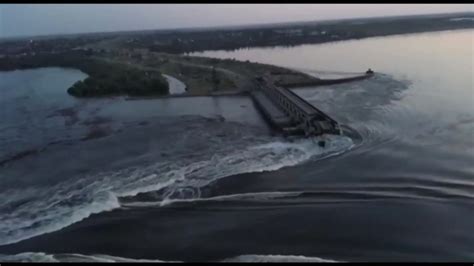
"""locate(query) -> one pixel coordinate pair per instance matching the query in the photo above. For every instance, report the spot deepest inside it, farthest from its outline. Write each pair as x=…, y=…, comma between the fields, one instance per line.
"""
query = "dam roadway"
x=288, y=112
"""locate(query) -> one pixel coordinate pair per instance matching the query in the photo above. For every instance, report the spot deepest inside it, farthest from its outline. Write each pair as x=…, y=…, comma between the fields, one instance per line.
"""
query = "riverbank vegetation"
x=290, y=34
x=212, y=76
x=138, y=73
x=105, y=78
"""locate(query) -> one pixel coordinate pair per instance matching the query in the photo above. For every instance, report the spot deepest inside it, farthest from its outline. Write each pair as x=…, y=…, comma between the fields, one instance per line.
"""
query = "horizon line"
x=197, y=28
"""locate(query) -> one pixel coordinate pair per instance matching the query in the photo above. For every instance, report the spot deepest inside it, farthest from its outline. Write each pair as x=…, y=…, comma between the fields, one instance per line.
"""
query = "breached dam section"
x=288, y=112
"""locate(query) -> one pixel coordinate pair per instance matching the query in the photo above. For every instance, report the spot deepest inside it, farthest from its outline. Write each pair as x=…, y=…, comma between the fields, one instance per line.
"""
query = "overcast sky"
x=43, y=19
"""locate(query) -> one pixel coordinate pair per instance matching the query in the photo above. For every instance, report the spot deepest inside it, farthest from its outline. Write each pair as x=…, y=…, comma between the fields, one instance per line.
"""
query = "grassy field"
x=204, y=76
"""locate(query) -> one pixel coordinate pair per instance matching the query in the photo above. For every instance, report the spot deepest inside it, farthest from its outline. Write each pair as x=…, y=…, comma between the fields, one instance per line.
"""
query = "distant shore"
x=288, y=34
x=138, y=59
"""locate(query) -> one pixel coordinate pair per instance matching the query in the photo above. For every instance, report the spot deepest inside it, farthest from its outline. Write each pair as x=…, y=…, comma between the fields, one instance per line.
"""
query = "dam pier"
x=290, y=114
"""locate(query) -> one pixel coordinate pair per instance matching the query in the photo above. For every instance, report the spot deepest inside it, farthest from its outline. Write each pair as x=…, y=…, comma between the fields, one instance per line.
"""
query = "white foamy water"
x=242, y=196
x=461, y=19
x=176, y=86
x=276, y=258
x=43, y=257
x=34, y=211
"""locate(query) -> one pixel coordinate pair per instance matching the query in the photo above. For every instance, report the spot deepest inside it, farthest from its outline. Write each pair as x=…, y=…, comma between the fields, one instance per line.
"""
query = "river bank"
x=282, y=34
x=140, y=76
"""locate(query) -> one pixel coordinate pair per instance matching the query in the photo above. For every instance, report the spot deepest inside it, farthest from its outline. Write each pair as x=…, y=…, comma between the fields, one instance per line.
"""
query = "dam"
x=290, y=114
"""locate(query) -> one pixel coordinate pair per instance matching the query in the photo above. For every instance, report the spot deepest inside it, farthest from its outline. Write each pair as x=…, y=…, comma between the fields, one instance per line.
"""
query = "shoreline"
x=320, y=82
x=186, y=95
x=199, y=53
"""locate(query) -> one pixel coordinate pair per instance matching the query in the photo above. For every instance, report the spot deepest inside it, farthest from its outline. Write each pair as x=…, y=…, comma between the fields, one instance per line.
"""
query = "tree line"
x=104, y=78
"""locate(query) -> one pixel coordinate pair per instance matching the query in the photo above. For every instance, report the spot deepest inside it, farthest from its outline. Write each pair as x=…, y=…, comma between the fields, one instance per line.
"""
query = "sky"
x=43, y=19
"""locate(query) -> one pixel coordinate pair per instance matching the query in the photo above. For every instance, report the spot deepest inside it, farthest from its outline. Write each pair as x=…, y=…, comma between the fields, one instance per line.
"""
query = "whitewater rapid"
x=43, y=257
x=29, y=212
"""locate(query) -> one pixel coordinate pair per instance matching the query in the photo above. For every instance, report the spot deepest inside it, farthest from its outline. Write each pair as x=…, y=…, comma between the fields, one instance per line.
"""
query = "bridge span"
x=290, y=113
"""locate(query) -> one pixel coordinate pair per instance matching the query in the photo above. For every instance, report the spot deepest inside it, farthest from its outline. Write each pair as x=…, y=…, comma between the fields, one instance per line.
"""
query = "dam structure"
x=288, y=112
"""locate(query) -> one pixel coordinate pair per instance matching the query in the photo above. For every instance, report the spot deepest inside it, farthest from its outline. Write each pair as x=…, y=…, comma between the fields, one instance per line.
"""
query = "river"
x=187, y=179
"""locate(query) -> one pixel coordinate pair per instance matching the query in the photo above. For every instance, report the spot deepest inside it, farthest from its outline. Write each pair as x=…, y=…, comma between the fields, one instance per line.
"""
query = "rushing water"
x=203, y=179
x=176, y=86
